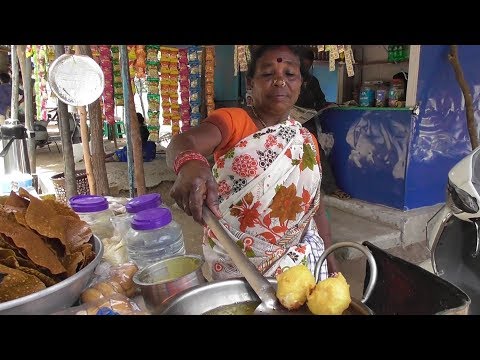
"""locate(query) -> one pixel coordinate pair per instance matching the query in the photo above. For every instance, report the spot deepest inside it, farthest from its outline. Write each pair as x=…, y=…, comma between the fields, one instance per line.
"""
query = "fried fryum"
x=294, y=285
x=330, y=296
x=41, y=244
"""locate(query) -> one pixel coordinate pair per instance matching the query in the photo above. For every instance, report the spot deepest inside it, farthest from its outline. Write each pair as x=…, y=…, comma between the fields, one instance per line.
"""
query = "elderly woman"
x=265, y=184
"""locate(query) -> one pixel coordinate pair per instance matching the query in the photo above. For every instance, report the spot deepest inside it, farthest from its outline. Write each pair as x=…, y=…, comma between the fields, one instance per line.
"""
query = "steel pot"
x=167, y=277
x=203, y=298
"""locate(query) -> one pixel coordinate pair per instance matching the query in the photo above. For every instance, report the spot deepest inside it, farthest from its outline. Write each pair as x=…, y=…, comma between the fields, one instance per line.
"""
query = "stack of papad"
x=42, y=242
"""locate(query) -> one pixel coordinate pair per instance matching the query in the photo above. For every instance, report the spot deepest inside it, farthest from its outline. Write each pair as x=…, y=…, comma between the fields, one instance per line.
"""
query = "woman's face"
x=277, y=81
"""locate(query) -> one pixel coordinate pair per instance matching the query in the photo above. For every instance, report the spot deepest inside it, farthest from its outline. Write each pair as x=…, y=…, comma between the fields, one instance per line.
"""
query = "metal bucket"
x=204, y=298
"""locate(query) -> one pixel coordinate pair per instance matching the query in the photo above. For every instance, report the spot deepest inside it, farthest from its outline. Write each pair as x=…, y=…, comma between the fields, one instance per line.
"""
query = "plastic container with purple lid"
x=154, y=235
x=94, y=210
x=143, y=202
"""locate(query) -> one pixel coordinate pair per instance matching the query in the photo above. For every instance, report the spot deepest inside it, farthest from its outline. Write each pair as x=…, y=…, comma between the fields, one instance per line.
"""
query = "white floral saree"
x=269, y=190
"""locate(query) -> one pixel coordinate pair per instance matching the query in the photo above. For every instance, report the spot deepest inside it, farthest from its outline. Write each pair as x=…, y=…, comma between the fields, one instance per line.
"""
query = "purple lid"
x=88, y=203
x=150, y=219
x=143, y=202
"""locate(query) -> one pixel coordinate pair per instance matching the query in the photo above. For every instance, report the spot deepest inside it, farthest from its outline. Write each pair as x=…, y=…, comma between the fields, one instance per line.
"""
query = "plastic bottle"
x=154, y=235
x=94, y=210
x=135, y=205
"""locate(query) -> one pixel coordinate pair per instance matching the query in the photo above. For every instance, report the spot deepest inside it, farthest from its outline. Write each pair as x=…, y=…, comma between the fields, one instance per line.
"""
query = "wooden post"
x=86, y=149
x=137, y=148
x=26, y=69
x=113, y=131
x=96, y=131
x=67, y=148
x=140, y=95
x=132, y=128
x=467, y=94
x=15, y=82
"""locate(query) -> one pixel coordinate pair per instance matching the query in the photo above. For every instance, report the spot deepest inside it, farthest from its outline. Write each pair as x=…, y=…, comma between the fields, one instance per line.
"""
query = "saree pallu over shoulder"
x=269, y=189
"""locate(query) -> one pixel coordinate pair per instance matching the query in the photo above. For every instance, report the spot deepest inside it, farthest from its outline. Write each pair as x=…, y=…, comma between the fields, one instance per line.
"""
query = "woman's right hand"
x=195, y=186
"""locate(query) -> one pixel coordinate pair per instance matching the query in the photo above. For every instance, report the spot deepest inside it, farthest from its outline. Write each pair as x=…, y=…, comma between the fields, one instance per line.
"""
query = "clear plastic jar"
x=122, y=222
x=94, y=210
x=367, y=94
x=154, y=235
x=396, y=93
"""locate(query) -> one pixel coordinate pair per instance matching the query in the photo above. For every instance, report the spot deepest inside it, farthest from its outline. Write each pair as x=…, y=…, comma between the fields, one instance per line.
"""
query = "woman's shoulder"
x=232, y=117
x=230, y=111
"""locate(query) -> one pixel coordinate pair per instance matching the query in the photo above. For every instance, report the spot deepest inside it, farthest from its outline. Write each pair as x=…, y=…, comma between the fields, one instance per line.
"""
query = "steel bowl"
x=204, y=298
x=162, y=280
x=57, y=297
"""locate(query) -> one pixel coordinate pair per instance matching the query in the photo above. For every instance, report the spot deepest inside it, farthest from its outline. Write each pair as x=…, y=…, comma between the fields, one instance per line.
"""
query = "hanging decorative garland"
x=153, y=89
x=195, y=88
x=40, y=76
x=209, y=78
x=131, y=65
x=165, y=85
x=96, y=56
x=173, y=92
x=184, y=89
x=140, y=63
x=108, y=92
x=117, y=76
x=335, y=53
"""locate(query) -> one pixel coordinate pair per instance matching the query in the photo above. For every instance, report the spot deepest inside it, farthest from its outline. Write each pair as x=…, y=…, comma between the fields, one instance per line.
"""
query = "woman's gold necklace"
x=258, y=117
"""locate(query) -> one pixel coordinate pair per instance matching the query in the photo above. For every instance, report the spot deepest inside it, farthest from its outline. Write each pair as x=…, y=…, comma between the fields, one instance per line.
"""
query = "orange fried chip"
x=61, y=209
x=33, y=244
x=16, y=202
x=72, y=261
x=19, y=206
x=42, y=217
x=7, y=243
x=8, y=258
x=47, y=280
x=16, y=283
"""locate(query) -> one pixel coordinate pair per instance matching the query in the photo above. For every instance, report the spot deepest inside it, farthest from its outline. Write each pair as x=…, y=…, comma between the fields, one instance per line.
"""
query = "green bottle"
x=390, y=53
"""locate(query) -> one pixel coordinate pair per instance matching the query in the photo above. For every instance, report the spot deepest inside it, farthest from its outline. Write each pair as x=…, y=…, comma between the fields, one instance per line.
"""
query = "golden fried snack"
x=330, y=296
x=91, y=295
x=33, y=244
x=293, y=286
x=15, y=283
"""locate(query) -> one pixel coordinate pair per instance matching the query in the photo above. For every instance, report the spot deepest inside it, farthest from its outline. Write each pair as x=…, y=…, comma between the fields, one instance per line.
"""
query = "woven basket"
x=59, y=185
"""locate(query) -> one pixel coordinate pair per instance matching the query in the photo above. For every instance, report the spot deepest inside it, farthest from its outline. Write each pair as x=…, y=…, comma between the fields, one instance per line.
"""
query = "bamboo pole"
x=26, y=70
x=15, y=83
x=137, y=148
x=134, y=142
x=67, y=148
x=99, y=168
x=467, y=94
x=82, y=112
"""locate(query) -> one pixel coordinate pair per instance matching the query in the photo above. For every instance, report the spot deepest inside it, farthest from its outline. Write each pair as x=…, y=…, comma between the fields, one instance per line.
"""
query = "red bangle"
x=185, y=156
